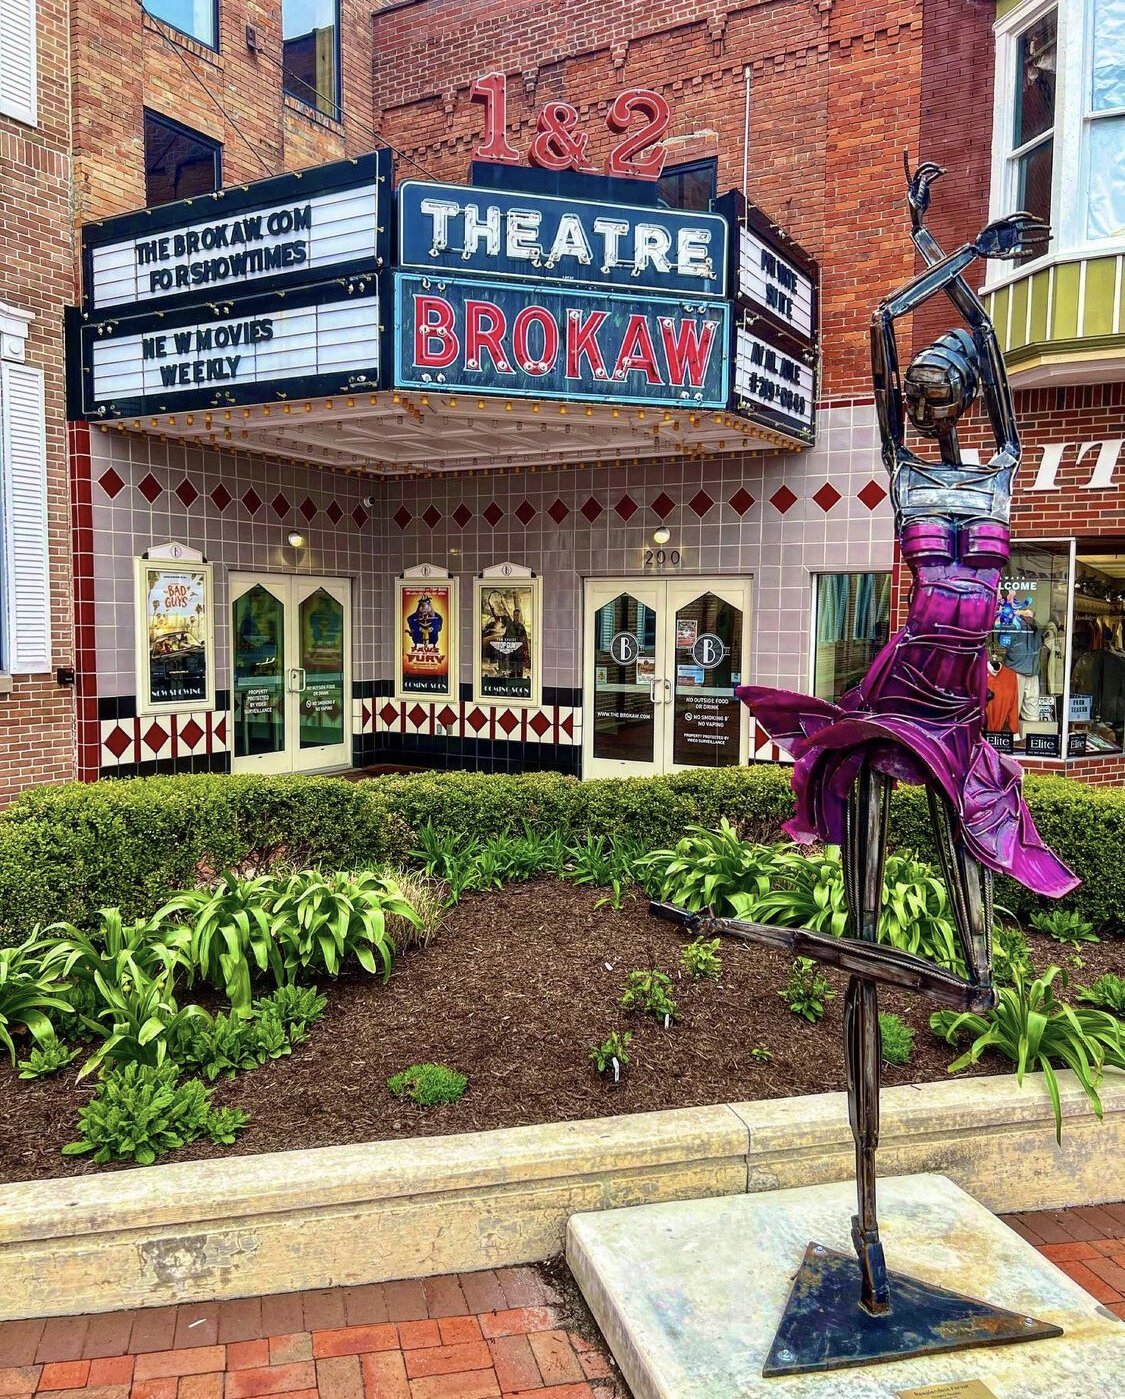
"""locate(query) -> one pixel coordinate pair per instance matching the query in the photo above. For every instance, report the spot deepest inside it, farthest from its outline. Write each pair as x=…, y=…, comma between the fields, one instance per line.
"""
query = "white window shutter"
x=23, y=476
x=17, y=60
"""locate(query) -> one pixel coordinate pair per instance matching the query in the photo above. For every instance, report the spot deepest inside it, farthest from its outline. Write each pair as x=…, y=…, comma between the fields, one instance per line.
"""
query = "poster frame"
x=173, y=558
x=417, y=576
x=496, y=577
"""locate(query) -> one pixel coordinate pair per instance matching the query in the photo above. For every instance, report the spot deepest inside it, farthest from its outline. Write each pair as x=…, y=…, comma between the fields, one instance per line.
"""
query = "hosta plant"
x=136, y=1022
x=29, y=994
x=806, y=890
x=1036, y=1031
x=1065, y=926
x=116, y=950
x=917, y=916
x=325, y=919
x=428, y=1085
x=708, y=869
x=234, y=929
x=806, y=993
x=1108, y=991
x=647, y=992
x=46, y=1059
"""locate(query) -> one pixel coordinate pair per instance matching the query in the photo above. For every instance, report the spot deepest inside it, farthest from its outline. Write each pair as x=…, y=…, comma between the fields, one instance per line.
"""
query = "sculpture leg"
x=970, y=894
x=863, y=864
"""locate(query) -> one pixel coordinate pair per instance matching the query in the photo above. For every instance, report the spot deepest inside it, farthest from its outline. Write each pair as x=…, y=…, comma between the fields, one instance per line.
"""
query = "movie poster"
x=508, y=640
x=176, y=623
x=427, y=626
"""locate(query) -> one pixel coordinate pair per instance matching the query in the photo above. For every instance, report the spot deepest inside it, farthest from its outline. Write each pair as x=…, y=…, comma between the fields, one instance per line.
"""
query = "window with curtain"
x=196, y=18
x=853, y=613
x=1032, y=155
x=310, y=53
x=1105, y=134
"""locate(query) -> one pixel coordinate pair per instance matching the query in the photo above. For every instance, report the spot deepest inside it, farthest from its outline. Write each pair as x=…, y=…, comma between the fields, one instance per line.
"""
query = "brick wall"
x=37, y=717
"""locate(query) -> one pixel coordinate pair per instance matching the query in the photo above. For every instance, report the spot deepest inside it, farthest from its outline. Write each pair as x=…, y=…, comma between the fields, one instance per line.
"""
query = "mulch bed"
x=514, y=991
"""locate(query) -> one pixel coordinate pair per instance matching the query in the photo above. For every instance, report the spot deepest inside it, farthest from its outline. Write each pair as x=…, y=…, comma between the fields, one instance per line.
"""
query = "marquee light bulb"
x=296, y=539
x=661, y=535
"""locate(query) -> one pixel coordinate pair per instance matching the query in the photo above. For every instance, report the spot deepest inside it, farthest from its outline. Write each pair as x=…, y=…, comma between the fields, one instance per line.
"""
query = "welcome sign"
x=292, y=229
x=528, y=340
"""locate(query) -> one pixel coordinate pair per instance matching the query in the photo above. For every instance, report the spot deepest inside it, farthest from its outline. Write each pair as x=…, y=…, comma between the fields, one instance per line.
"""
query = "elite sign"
x=543, y=341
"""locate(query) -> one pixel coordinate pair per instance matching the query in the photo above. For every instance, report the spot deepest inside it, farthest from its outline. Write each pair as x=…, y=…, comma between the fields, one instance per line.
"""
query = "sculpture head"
x=941, y=382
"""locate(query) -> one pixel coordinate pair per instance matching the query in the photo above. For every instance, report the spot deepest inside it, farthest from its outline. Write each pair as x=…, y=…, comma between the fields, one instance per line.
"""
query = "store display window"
x=852, y=621
x=1027, y=653
x=1097, y=674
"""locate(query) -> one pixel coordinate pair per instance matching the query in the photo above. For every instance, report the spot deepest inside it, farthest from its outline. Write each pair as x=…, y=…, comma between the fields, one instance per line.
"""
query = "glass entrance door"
x=663, y=657
x=290, y=672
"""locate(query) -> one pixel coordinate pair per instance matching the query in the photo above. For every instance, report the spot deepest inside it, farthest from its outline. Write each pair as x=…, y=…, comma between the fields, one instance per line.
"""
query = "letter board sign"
x=291, y=230
x=773, y=386
x=320, y=340
x=525, y=339
x=770, y=274
x=459, y=229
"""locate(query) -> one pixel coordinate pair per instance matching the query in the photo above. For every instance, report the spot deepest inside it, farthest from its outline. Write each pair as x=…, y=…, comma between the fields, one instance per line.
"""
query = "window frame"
x=179, y=129
x=337, y=97
x=195, y=39
x=710, y=163
x=1073, y=119
x=815, y=576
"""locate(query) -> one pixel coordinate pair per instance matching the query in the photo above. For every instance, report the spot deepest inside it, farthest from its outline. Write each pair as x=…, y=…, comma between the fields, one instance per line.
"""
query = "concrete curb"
x=335, y=1216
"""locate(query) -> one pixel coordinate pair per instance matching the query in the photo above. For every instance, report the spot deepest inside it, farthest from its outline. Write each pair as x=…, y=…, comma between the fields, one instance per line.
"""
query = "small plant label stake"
x=916, y=717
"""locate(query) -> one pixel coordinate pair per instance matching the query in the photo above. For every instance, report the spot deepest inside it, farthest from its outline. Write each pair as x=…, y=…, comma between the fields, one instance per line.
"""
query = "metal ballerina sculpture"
x=916, y=717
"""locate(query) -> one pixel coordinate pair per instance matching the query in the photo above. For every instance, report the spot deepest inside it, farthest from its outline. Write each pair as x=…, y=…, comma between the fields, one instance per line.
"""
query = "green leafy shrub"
x=760, y=1054
x=222, y=1045
x=147, y=947
x=428, y=1084
x=224, y=1124
x=46, y=1059
x=897, y=1039
x=614, y=1046
x=297, y=1007
x=1011, y=956
x=322, y=920
x=806, y=890
x=1108, y=991
x=234, y=928
x=701, y=959
x=29, y=993
x=1035, y=1030
x=141, y=1111
x=807, y=992
x=1065, y=925
x=709, y=869
x=647, y=992
x=137, y=1021
x=917, y=916
x=603, y=862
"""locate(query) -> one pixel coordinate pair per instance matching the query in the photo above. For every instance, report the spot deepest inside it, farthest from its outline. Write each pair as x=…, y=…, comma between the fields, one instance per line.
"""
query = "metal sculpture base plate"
x=822, y=1328
x=689, y=1294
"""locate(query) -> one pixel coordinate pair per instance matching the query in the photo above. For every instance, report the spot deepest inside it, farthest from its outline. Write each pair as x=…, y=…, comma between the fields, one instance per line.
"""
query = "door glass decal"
x=258, y=639
x=321, y=674
x=624, y=660
x=707, y=669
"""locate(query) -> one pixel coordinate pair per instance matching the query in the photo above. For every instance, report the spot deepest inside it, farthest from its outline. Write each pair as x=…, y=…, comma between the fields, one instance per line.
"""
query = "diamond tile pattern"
x=783, y=499
x=118, y=741
x=558, y=511
x=508, y=721
x=873, y=494
x=591, y=509
x=827, y=496
x=334, y=513
x=150, y=488
x=462, y=515
x=402, y=517
x=431, y=516
x=221, y=497
x=155, y=737
x=701, y=502
x=110, y=482
x=280, y=505
x=252, y=501
x=187, y=493
x=663, y=505
x=191, y=733
x=360, y=516
x=492, y=513
x=626, y=507
x=741, y=501
x=308, y=508
x=525, y=512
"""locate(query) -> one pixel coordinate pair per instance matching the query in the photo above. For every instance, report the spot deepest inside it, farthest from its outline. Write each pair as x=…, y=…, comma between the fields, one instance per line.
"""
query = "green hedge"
x=66, y=851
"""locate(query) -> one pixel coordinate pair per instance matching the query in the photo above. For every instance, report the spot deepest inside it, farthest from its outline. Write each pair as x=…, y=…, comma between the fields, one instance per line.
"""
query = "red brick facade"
x=36, y=236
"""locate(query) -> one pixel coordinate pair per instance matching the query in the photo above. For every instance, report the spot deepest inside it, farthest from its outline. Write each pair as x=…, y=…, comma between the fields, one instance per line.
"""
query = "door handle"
x=667, y=691
x=296, y=686
x=652, y=684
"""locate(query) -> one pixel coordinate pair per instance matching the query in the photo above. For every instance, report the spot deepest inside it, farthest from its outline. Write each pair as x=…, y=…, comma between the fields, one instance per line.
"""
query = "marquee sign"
x=773, y=386
x=270, y=348
x=531, y=340
x=291, y=229
x=770, y=274
x=489, y=231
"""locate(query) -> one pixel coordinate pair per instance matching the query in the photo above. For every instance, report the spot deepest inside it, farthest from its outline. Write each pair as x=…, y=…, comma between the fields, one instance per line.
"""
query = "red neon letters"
x=560, y=144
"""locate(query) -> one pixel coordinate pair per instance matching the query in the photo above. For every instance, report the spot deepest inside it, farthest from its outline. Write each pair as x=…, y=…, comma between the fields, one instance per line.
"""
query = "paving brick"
x=19, y=1342
x=155, y=1389
x=197, y=1324
x=65, y=1374
x=558, y=1364
x=1091, y=1282
x=285, y=1349
x=1044, y=1228
x=324, y=1309
x=19, y=1379
x=63, y=1338
x=595, y=1365
x=99, y=1391
x=412, y=1335
x=523, y=1287
x=248, y=1355
x=1097, y=1218
x=113, y=1369
x=475, y=1384
x=406, y=1300
x=1109, y=1248
x=514, y=1363
x=1117, y=1308
x=201, y=1387
x=447, y=1360
x=271, y=1379
x=192, y=1360
x=384, y=1375
x=240, y=1320
x=283, y=1315
x=153, y=1329
x=108, y=1335
x=355, y=1340
x=517, y=1321
x=457, y=1330
x=339, y=1377
x=1024, y=1230
x=1068, y=1253
x=365, y=1305
x=580, y=1390
x=482, y=1291
x=1109, y=1272
x=444, y=1296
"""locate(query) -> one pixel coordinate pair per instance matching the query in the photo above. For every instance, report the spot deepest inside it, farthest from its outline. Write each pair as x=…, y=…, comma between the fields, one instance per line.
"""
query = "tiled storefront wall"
x=36, y=276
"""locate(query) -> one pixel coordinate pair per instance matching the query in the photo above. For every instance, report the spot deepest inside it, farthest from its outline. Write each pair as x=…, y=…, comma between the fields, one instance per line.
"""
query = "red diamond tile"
x=700, y=502
x=308, y=509
x=783, y=499
x=252, y=501
x=334, y=513
x=539, y=723
x=827, y=496
x=366, y=719
x=360, y=516
x=187, y=493
x=155, y=737
x=591, y=508
x=508, y=721
x=567, y=726
x=402, y=517
x=221, y=497
x=462, y=515
x=525, y=512
x=477, y=719
x=118, y=740
x=219, y=729
x=741, y=501
x=663, y=505
x=416, y=715
x=447, y=715
x=493, y=514
x=873, y=494
x=626, y=507
x=150, y=488
x=388, y=713
x=280, y=505
x=430, y=516
x=558, y=511
x=191, y=733
x=110, y=482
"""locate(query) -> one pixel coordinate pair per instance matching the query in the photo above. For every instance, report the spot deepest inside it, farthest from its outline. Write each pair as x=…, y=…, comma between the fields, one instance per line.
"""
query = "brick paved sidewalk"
x=489, y=1335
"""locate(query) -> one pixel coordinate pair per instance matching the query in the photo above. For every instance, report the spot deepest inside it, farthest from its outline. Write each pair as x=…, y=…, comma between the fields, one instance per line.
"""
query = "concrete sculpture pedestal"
x=689, y=1295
